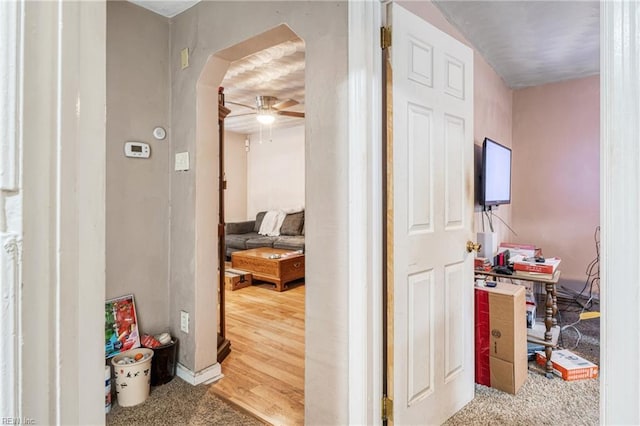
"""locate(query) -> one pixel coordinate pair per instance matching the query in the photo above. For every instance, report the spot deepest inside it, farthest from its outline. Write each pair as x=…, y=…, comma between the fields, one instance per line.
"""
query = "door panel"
x=431, y=197
x=419, y=125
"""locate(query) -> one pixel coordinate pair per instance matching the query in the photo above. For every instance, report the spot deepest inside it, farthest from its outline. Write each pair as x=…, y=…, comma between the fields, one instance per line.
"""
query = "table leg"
x=549, y=322
x=555, y=305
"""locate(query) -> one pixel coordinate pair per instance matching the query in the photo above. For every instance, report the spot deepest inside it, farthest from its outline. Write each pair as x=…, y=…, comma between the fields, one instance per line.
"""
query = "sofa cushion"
x=258, y=223
x=290, y=243
x=239, y=241
x=239, y=227
x=260, y=241
x=292, y=224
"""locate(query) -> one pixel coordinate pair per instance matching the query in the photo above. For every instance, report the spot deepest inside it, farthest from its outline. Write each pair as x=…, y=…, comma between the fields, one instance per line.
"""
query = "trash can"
x=164, y=364
x=133, y=375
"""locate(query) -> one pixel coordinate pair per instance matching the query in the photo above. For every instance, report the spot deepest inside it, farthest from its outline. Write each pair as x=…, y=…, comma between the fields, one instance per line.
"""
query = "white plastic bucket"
x=132, y=379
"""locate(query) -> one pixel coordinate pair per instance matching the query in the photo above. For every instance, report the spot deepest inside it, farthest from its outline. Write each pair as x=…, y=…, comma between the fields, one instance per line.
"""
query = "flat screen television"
x=496, y=174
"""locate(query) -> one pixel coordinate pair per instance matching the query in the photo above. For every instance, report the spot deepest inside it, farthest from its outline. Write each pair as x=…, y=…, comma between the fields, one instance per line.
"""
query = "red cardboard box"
x=568, y=365
x=500, y=333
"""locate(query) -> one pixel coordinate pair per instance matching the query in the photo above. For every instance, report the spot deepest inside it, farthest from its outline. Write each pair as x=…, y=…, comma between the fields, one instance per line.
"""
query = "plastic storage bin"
x=132, y=379
x=164, y=363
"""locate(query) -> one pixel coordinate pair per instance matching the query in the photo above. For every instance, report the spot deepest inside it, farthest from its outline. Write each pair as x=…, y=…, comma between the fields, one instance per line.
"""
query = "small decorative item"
x=121, y=326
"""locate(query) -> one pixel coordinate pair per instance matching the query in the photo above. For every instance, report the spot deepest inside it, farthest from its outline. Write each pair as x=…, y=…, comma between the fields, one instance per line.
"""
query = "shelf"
x=536, y=335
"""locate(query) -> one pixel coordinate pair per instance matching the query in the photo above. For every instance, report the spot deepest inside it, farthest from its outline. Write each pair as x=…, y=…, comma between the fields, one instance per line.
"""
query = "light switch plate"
x=184, y=57
x=182, y=161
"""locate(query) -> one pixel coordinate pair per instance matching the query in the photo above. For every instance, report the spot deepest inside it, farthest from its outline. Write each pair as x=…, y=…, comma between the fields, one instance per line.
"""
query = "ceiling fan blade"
x=240, y=115
x=285, y=104
x=292, y=114
x=239, y=104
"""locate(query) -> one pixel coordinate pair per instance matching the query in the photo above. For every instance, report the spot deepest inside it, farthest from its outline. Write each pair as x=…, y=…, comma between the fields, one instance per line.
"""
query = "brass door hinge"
x=387, y=408
x=385, y=37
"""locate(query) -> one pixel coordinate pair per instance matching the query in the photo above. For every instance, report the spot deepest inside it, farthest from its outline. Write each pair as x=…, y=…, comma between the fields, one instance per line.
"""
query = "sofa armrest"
x=239, y=227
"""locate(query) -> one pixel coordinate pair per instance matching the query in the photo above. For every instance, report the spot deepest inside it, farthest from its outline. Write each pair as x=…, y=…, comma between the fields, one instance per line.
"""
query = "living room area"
x=264, y=211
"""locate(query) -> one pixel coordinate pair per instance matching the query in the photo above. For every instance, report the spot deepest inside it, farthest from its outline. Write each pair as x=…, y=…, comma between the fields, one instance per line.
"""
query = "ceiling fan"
x=267, y=107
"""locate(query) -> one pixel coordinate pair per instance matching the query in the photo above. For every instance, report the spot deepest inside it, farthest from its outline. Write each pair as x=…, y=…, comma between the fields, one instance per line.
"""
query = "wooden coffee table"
x=272, y=265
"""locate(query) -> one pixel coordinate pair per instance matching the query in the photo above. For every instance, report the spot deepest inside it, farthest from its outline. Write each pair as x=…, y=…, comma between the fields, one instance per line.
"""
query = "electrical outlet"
x=184, y=321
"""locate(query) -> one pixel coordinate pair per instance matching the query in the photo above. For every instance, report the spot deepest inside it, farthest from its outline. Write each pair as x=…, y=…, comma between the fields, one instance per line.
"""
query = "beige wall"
x=205, y=29
x=492, y=103
x=556, y=156
x=137, y=190
x=275, y=171
x=235, y=166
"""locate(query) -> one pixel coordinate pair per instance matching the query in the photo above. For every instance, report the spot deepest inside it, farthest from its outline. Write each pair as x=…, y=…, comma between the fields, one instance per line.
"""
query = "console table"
x=547, y=336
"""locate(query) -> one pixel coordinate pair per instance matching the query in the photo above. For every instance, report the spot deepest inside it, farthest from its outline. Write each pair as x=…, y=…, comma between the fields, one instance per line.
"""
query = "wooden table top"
x=268, y=253
x=517, y=275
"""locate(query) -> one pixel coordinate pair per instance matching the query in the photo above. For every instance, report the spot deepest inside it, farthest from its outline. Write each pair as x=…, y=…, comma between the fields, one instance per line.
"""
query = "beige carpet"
x=179, y=403
x=540, y=401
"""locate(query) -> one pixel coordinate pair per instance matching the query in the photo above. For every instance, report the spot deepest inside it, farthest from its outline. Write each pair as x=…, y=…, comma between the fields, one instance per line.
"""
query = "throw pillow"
x=259, y=218
x=292, y=224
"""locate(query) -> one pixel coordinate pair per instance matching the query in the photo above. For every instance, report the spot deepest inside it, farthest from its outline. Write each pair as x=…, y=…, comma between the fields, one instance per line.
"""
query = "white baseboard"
x=209, y=375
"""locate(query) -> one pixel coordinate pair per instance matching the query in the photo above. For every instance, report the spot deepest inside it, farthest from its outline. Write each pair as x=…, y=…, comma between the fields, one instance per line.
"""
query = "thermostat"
x=137, y=150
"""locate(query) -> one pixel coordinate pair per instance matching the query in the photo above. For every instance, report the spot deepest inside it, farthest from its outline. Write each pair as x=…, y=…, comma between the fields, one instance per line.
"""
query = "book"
x=549, y=266
x=121, y=326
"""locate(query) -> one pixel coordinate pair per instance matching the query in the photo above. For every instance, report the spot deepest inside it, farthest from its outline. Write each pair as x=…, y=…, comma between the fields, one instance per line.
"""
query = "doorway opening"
x=260, y=84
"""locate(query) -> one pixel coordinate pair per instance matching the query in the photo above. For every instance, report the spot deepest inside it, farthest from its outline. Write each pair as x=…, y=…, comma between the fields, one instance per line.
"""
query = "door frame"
x=618, y=97
x=365, y=212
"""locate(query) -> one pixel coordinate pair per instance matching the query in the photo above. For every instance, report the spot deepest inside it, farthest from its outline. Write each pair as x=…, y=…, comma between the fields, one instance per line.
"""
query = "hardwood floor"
x=264, y=373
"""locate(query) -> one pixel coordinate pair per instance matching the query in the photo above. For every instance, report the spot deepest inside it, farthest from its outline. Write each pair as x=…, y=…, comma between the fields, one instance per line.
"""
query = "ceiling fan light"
x=265, y=118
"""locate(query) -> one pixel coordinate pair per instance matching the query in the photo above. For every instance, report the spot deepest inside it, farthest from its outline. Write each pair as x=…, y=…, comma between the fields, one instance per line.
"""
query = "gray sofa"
x=244, y=235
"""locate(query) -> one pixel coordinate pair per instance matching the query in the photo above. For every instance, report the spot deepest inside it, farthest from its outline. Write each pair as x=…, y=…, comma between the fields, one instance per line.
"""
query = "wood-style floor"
x=264, y=373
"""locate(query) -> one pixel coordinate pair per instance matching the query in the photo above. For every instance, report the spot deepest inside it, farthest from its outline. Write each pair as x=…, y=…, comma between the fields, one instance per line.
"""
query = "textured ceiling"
x=277, y=71
x=168, y=8
x=531, y=42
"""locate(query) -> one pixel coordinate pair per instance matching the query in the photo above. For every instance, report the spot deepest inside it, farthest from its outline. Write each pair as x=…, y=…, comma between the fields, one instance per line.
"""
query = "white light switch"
x=184, y=57
x=182, y=161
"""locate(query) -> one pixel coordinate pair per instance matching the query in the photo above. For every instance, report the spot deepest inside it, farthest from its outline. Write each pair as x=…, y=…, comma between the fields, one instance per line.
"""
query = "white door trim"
x=619, y=213
x=10, y=230
x=62, y=132
x=365, y=213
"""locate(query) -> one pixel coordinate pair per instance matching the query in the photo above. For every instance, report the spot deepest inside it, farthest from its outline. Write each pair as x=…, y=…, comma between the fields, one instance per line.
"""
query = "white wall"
x=235, y=166
x=275, y=171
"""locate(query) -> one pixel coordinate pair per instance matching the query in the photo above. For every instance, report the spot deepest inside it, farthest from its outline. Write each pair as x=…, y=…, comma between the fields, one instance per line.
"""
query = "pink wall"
x=493, y=101
x=556, y=133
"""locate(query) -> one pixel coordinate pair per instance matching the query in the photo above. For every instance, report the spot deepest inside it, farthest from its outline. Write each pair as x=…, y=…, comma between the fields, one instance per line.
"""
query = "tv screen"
x=496, y=173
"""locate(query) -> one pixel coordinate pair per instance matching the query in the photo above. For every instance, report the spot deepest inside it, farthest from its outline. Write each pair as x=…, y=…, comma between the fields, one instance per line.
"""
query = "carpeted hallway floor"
x=179, y=403
x=540, y=401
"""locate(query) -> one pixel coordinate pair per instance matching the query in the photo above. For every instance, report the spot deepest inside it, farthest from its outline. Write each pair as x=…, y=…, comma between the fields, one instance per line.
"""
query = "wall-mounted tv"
x=496, y=174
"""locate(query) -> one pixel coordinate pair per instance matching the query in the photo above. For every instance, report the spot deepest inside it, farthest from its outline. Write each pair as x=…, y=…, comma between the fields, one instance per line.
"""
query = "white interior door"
x=432, y=89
